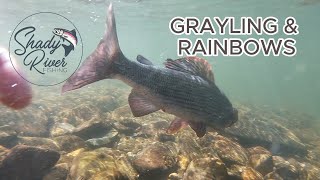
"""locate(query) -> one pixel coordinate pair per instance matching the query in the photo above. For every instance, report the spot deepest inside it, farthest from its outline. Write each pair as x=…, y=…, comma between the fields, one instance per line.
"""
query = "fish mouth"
x=230, y=119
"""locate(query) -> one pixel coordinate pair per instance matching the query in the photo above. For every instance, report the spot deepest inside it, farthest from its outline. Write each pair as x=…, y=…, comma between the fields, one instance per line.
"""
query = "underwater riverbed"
x=90, y=133
x=100, y=139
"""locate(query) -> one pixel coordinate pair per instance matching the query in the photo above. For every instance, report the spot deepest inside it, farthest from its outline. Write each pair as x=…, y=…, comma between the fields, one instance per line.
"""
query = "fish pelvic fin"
x=199, y=128
x=176, y=125
x=99, y=64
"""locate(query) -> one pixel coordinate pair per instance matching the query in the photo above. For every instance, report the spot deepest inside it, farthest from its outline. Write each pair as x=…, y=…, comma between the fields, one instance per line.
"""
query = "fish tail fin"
x=100, y=64
x=67, y=49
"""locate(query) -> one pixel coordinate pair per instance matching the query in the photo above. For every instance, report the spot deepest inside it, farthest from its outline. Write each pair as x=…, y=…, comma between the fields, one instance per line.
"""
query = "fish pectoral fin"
x=144, y=60
x=140, y=106
x=176, y=125
x=198, y=127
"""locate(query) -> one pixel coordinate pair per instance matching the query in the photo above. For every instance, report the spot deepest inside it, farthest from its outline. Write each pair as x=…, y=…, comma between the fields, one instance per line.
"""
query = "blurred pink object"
x=15, y=92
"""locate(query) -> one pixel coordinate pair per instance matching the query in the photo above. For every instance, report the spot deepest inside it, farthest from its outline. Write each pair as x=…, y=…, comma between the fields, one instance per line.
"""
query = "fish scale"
x=182, y=91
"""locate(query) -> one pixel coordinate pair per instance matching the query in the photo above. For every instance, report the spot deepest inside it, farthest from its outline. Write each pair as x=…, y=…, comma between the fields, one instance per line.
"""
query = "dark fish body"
x=184, y=88
x=184, y=95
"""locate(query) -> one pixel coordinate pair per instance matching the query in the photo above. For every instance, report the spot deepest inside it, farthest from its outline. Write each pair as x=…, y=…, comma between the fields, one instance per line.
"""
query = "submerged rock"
x=8, y=136
x=108, y=140
x=259, y=128
x=107, y=103
x=291, y=169
x=145, y=131
x=91, y=129
x=25, y=162
x=69, y=143
x=102, y=163
x=183, y=163
x=76, y=108
x=39, y=142
x=284, y=169
x=174, y=176
x=75, y=116
x=68, y=158
x=3, y=153
x=127, y=126
x=230, y=152
x=164, y=137
x=31, y=121
x=162, y=123
x=307, y=135
x=157, y=160
x=132, y=145
x=60, y=129
x=314, y=153
x=258, y=150
x=187, y=144
x=250, y=174
x=261, y=160
x=312, y=172
x=146, y=126
x=77, y=130
x=121, y=113
x=58, y=172
x=235, y=171
x=273, y=175
x=206, y=169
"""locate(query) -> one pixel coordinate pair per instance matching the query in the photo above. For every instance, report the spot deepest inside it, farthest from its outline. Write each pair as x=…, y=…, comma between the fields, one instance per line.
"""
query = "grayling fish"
x=184, y=88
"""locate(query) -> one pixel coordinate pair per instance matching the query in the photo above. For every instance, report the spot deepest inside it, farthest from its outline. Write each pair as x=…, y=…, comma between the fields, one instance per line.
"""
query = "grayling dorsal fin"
x=192, y=65
x=143, y=60
x=139, y=105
